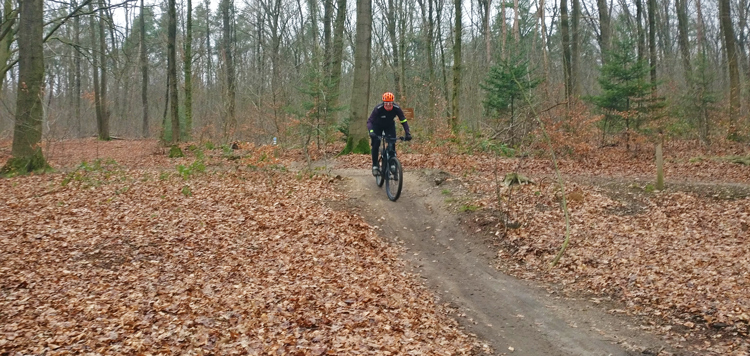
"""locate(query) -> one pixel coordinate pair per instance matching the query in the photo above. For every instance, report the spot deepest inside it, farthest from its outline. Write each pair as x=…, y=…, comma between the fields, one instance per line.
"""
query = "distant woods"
x=227, y=70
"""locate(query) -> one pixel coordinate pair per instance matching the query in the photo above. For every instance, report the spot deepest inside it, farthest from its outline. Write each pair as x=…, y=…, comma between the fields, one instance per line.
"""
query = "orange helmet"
x=387, y=96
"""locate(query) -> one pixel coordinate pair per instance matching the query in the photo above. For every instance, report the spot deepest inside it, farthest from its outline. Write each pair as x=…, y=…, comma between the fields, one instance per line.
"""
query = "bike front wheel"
x=394, y=179
x=380, y=178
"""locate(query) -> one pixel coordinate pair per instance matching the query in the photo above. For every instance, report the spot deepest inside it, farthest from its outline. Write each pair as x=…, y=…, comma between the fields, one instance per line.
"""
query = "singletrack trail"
x=512, y=316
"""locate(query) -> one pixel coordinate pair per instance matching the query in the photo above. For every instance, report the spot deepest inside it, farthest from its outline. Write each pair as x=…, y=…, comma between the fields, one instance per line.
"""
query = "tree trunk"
x=430, y=41
x=503, y=35
x=545, y=54
x=700, y=26
x=391, y=24
x=77, y=60
x=652, y=43
x=742, y=41
x=327, y=37
x=639, y=29
x=319, y=109
x=659, y=166
x=338, y=53
x=665, y=30
x=682, y=27
x=104, y=121
x=734, y=73
x=455, y=116
x=188, y=69
x=6, y=39
x=402, y=53
x=27, y=135
x=575, y=52
x=443, y=64
x=486, y=7
x=276, y=35
x=172, y=70
x=359, y=107
x=144, y=73
x=95, y=69
x=604, y=28
x=209, y=55
x=516, y=15
x=567, y=60
x=230, y=119
x=429, y=24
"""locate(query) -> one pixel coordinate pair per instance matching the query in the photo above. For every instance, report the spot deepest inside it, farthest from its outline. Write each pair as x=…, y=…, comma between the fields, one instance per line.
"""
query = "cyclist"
x=381, y=120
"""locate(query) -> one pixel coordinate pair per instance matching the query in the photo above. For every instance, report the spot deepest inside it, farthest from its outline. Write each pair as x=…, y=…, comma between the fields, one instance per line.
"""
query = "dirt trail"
x=512, y=316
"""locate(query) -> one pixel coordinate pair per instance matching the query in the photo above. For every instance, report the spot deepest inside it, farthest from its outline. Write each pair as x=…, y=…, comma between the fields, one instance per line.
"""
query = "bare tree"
x=542, y=21
x=604, y=29
x=188, y=70
x=337, y=53
x=566, y=46
x=359, y=107
x=6, y=38
x=230, y=119
x=209, y=54
x=639, y=29
x=391, y=17
x=103, y=120
x=575, y=53
x=172, y=71
x=485, y=7
x=277, y=25
x=516, y=29
x=95, y=68
x=727, y=30
x=144, y=72
x=429, y=25
x=27, y=135
x=77, y=71
x=652, y=43
x=503, y=34
x=682, y=27
x=455, y=115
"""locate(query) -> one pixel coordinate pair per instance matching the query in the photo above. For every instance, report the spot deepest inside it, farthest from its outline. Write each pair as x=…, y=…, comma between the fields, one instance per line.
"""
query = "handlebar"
x=400, y=138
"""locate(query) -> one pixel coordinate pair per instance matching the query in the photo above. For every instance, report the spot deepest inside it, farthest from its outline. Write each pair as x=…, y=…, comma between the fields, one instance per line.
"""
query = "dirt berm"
x=512, y=316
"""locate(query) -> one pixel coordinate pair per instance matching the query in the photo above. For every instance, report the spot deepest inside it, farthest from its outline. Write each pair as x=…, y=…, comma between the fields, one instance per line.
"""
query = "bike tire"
x=380, y=179
x=394, y=181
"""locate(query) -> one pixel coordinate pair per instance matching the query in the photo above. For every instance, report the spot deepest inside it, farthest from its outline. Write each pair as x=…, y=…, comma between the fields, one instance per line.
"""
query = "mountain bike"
x=391, y=172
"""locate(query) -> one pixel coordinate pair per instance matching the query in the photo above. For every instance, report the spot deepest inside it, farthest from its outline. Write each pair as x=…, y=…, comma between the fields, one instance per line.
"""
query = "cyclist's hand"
x=407, y=137
x=373, y=135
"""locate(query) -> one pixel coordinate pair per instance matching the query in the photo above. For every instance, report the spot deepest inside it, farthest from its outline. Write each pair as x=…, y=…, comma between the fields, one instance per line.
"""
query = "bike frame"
x=388, y=176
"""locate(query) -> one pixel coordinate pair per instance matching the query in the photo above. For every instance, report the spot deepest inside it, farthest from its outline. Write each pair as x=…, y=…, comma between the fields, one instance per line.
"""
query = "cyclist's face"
x=388, y=105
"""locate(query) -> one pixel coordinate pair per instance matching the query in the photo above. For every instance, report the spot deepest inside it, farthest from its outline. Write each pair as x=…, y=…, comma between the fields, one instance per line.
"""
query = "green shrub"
x=468, y=208
x=93, y=175
x=175, y=152
x=188, y=171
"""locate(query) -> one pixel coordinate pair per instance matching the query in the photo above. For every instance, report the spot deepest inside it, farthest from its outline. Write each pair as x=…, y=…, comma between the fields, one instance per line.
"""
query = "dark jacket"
x=380, y=115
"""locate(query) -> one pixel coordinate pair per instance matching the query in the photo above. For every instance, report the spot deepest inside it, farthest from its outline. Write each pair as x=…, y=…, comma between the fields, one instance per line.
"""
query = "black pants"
x=389, y=127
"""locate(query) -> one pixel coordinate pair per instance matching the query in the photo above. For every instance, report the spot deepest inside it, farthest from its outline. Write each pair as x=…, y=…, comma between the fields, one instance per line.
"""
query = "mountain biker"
x=381, y=120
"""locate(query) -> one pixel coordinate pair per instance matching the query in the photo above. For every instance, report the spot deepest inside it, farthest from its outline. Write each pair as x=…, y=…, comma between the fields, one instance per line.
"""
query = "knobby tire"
x=379, y=179
x=394, y=181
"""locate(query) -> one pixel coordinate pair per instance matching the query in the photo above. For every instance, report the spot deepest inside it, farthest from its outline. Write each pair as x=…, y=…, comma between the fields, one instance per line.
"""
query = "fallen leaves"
x=251, y=262
x=678, y=258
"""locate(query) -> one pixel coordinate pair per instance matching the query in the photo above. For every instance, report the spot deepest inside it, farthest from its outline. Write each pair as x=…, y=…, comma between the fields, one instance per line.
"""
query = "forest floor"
x=246, y=252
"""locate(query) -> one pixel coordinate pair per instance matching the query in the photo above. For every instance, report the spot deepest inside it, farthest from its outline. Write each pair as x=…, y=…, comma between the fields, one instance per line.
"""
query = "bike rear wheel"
x=394, y=179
